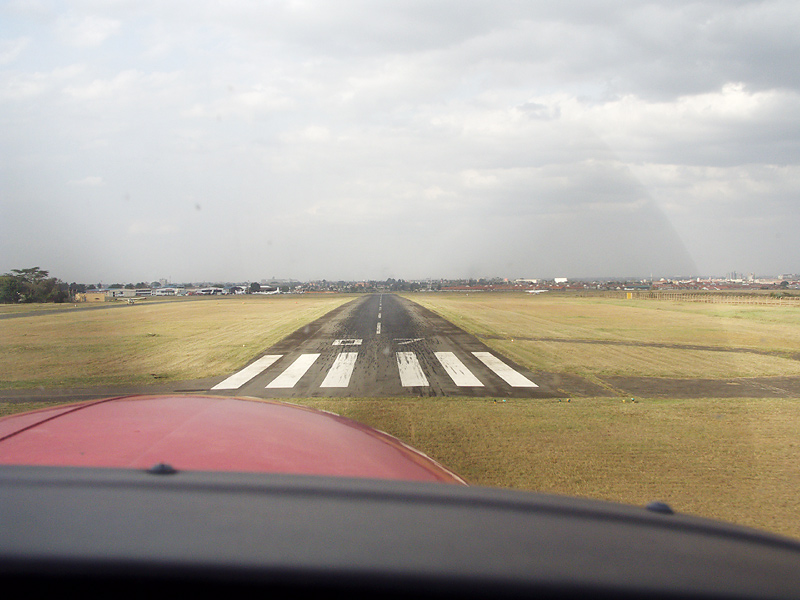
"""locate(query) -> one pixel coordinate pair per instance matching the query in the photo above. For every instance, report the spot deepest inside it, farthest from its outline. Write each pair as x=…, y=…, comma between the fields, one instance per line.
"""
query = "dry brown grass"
x=168, y=341
x=733, y=460
x=590, y=360
x=630, y=337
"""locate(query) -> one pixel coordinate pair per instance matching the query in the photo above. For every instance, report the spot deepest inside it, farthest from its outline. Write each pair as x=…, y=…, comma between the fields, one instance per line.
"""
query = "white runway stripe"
x=410, y=370
x=342, y=369
x=458, y=372
x=296, y=370
x=237, y=380
x=510, y=376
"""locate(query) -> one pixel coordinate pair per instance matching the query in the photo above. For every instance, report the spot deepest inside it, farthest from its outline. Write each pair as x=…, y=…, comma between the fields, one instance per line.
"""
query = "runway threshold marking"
x=509, y=375
x=340, y=372
x=237, y=380
x=411, y=374
x=296, y=370
x=457, y=371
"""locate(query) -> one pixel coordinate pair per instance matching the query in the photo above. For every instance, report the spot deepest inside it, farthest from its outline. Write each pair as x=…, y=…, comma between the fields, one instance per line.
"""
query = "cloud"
x=90, y=181
x=11, y=49
x=437, y=138
x=250, y=104
x=118, y=86
x=22, y=86
x=88, y=31
x=149, y=228
x=732, y=125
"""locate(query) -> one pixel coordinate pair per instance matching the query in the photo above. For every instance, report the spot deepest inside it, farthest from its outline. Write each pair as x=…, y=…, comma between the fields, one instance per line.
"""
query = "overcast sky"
x=240, y=140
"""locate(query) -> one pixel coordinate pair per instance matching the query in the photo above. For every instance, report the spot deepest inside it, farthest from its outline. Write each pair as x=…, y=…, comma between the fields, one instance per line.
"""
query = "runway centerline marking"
x=348, y=342
x=410, y=370
x=296, y=370
x=457, y=371
x=378, y=329
x=509, y=375
x=340, y=372
x=237, y=380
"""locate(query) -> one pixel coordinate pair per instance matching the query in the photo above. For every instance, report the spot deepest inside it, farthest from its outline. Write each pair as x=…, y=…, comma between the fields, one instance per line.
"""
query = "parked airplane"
x=268, y=291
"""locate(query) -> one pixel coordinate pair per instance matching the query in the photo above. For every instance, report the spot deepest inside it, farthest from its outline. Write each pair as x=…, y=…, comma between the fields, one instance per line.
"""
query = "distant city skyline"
x=731, y=276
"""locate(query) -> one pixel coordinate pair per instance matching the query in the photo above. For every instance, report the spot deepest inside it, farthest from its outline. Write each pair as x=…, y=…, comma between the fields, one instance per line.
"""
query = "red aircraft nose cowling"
x=210, y=433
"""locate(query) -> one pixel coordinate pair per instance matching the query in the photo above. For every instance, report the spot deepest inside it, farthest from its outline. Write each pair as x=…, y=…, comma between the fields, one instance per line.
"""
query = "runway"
x=381, y=345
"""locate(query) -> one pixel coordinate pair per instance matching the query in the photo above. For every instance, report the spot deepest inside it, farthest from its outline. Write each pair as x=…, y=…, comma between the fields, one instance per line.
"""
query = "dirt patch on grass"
x=568, y=385
x=673, y=346
x=745, y=387
x=667, y=387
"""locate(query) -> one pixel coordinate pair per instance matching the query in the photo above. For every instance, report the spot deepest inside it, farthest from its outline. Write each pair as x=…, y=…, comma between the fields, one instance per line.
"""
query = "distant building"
x=91, y=297
x=122, y=293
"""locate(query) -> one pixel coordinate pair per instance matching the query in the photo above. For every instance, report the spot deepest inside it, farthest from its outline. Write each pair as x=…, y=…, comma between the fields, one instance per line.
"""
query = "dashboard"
x=158, y=530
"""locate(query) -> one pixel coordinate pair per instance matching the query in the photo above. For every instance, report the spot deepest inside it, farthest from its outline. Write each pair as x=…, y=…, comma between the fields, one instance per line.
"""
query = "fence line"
x=708, y=297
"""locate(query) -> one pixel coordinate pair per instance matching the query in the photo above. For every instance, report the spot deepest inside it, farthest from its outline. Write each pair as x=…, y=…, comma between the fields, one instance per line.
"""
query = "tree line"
x=32, y=285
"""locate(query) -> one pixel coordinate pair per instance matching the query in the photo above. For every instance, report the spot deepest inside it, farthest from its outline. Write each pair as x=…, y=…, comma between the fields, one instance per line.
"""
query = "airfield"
x=631, y=401
x=389, y=345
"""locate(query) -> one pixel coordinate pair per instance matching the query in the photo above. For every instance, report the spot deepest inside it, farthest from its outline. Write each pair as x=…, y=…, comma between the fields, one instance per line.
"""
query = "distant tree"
x=255, y=287
x=32, y=275
x=32, y=285
x=11, y=290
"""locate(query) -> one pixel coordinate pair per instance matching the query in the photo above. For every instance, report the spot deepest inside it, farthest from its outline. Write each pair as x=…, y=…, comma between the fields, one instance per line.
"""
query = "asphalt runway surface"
x=381, y=345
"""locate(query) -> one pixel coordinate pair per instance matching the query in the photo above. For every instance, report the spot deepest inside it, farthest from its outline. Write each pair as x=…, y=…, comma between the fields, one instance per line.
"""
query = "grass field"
x=160, y=341
x=594, y=337
x=734, y=460
x=731, y=459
